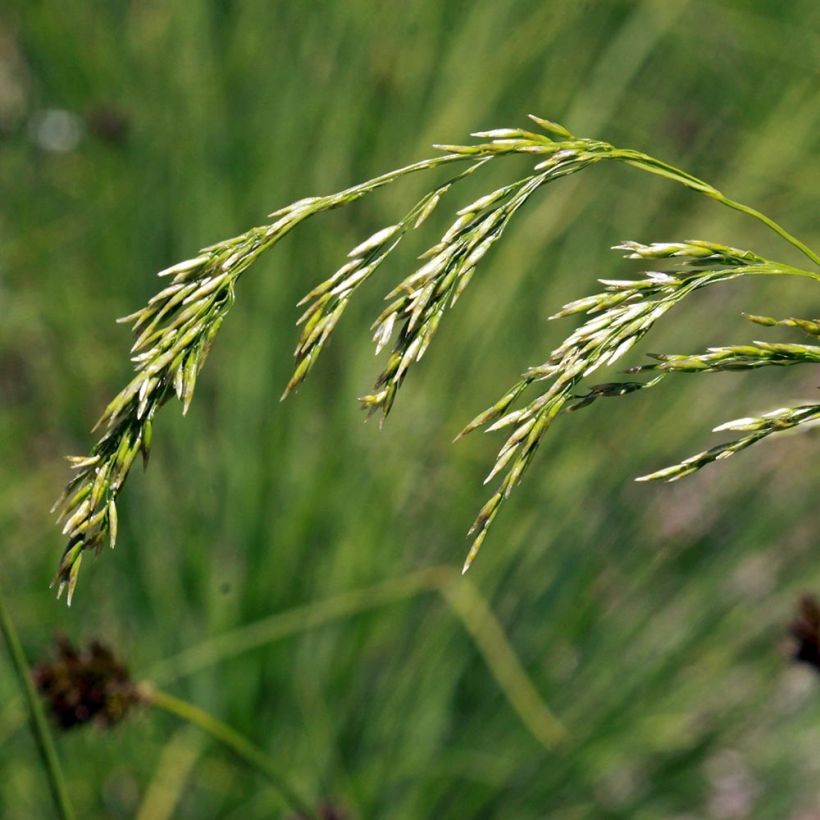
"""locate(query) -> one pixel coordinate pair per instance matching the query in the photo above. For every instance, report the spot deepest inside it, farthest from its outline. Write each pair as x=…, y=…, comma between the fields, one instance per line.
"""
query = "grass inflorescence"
x=175, y=330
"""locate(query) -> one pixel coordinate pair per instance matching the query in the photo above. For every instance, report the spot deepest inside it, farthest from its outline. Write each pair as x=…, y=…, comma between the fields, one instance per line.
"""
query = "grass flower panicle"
x=176, y=329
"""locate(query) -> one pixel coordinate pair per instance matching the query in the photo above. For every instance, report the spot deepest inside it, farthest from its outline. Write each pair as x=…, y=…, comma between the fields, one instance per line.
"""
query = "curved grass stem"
x=246, y=751
x=459, y=594
x=778, y=229
x=172, y=773
x=651, y=165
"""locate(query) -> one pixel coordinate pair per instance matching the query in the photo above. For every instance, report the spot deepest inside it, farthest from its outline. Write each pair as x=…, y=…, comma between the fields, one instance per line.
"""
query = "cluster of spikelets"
x=176, y=328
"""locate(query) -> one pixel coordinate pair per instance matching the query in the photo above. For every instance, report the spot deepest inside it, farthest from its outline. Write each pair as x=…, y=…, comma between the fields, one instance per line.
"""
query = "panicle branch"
x=758, y=428
x=622, y=314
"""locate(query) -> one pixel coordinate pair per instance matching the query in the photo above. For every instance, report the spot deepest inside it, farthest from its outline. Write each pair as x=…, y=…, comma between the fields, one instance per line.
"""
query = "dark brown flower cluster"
x=805, y=629
x=85, y=684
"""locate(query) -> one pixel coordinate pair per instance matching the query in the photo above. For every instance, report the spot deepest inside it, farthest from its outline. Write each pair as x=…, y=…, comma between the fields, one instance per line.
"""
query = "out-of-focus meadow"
x=651, y=619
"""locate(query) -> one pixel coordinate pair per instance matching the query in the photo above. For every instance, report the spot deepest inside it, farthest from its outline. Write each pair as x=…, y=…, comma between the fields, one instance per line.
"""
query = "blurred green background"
x=651, y=619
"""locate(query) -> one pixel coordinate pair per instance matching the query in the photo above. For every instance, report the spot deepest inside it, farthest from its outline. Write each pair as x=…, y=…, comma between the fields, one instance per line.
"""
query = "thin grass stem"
x=39, y=725
x=238, y=744
x=173, y=770
x=768, y=221
x=459, y=594
x=654, y=166
x=484, y=628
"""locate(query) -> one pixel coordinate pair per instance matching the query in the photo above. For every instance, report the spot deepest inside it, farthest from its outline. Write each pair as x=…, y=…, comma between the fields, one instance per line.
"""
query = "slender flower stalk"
x=238, y=744
x=176, y=329
x=460, y=595
x=39, y=726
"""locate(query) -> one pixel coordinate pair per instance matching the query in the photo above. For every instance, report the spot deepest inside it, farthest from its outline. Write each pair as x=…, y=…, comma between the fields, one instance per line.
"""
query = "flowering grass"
x=175, y=330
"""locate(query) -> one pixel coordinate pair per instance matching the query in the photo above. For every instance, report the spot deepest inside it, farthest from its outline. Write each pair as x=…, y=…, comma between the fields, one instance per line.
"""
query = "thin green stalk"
x=459, y=594
x=39, y=725
x=655, y=166
x=488, y=635
x=761, y=217
x=171, y=775
x=293, y=621
x=231, y=739
x=777, y=269
x=790, y=270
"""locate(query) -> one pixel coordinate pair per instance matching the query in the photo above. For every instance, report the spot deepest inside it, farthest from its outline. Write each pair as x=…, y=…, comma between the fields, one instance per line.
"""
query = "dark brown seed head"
x=85, y=684
x=805, y=629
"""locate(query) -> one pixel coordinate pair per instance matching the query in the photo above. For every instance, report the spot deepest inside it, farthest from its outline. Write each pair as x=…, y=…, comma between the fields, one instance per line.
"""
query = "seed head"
x=805, y=631
x=84, y=685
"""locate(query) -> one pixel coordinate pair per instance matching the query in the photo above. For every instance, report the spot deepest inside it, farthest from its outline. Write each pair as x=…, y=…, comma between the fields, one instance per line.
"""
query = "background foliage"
x=651, y=618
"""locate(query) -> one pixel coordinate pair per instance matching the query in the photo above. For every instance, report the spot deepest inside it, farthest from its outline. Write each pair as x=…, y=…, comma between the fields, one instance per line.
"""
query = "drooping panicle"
x=176, y=328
